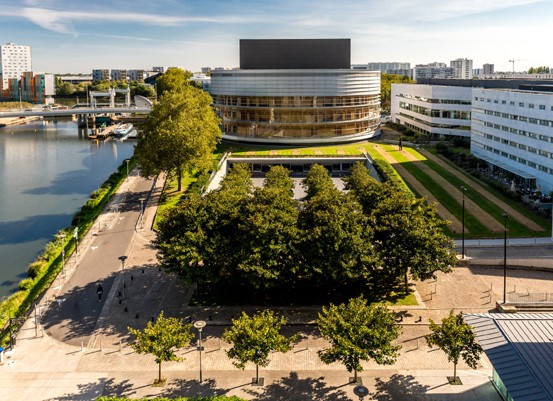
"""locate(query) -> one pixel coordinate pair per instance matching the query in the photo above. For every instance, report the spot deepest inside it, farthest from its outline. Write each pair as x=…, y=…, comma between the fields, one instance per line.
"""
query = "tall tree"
x=358, y=332
x=174, y=79
x=456, y=338
x=179, y=134
x=279, y=177
x=269, y=235
x=161, y=339
x=409, y=237
x=317, y=181
x=253, y=338
x=183, y=243
x=336, y=246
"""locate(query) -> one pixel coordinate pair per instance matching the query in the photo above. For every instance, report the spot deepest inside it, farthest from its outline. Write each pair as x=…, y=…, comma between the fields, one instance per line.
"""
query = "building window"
x=521, y=104
x=542, y=106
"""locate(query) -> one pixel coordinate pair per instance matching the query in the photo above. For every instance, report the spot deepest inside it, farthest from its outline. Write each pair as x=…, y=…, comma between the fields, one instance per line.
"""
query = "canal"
x=47, y=171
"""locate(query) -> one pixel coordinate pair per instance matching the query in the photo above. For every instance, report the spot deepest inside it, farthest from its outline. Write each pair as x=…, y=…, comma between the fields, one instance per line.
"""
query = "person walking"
x=99, y=291
x=400, y=144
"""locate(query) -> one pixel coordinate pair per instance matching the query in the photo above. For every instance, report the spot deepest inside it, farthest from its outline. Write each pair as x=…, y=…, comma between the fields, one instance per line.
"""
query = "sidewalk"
x=43, y=368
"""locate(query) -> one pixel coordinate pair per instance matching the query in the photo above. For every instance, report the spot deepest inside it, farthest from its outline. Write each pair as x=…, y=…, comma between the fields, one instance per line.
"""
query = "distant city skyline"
x=71, y=36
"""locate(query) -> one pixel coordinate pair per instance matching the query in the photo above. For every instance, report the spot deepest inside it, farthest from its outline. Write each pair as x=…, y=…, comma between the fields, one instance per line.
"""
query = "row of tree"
x=539, y=70
x=81, y=89
x=357, y=332
x=263, y=238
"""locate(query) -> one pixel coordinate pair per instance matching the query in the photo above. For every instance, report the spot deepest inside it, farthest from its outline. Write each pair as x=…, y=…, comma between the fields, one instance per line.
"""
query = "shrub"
x=26, y=284
x=36, y=268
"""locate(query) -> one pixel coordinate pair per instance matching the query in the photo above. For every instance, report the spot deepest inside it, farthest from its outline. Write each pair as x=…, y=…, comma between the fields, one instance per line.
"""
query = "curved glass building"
x=301, y=104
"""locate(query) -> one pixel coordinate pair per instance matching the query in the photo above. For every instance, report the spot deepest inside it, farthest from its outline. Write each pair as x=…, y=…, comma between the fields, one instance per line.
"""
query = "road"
x=72, y=318
x=540, y=251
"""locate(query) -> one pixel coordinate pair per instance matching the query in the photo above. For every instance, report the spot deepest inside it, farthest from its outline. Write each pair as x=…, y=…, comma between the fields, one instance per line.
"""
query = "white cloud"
x=48, y=19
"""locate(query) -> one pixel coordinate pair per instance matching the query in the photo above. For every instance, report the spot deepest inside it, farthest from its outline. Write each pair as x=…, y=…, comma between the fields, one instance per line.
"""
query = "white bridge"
x=76, y=111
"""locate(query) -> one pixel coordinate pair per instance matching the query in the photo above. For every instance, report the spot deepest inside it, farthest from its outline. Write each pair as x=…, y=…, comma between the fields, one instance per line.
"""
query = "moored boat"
x=122, y=130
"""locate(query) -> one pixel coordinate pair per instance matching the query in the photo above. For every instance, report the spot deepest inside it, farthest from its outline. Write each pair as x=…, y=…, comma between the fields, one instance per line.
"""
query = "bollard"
x=82, y=346
x=120, y=348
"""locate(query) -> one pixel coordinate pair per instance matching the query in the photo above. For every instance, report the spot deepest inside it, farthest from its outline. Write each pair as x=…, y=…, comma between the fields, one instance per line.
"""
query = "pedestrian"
x=99, y=291
x=400, y=144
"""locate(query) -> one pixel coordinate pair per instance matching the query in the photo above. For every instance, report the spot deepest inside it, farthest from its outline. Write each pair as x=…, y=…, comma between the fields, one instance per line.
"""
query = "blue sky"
x=78, y=35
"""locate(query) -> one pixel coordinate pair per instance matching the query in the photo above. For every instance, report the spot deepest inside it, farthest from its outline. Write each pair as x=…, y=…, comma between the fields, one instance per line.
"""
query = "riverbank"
x=43, y=271
x=4, y=122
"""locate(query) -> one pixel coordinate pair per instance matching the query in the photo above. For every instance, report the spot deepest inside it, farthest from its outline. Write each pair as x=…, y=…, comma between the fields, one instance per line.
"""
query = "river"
x=47, y=171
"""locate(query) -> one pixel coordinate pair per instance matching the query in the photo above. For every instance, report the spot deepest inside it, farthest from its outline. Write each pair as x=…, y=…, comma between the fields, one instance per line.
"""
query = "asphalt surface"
x=75, y=316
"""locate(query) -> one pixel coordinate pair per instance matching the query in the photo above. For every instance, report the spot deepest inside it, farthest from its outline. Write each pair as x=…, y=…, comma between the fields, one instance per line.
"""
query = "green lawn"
x=330, y=150
x=171, y=196
x=452, y=204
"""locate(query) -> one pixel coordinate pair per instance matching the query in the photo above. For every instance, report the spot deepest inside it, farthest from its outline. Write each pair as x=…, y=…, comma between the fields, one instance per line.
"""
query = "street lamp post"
x=463, y=189
x=505, y=216
x=127, y=161
x=61, y=237
x=20, y=103
x=200, y=324
x=142, y=212
x=122, y=259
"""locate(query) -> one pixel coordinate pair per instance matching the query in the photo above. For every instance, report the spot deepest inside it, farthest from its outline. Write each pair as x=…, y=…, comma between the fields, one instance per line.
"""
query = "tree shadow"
x=93, y=390
x=73, y=316
x=291, y=388
x=32, y=228
x=399, y=387
x=191, y=388
x=66, y=183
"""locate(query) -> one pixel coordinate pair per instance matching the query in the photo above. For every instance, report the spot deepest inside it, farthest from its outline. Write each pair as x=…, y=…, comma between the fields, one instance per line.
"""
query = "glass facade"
x=298, y=116
x=297, y=106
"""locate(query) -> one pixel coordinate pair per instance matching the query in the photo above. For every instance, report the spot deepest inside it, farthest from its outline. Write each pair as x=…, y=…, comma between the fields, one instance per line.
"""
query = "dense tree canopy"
x=386, y=81
x=179, y=134
x=358, y=332
x=408, y=234
x=173, y=80
x=264, y=239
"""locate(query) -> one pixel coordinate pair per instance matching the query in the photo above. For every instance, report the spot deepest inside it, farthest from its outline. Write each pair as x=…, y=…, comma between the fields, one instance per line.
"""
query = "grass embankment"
x=15, y=105
x=44, y=270
x=453, y=203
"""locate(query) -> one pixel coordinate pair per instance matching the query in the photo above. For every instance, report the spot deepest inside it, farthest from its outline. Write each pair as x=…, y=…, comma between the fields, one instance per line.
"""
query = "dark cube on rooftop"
x=268, y=54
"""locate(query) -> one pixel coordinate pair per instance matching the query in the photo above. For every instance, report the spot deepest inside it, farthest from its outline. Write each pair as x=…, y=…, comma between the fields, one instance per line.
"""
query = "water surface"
x=47, y=171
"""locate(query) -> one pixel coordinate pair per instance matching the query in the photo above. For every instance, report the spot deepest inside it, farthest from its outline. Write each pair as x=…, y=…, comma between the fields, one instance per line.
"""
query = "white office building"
x=398, y=68
x=462, y=68
x=513, y=130
x=14, y=61
x=433, y=70
x=432, y=110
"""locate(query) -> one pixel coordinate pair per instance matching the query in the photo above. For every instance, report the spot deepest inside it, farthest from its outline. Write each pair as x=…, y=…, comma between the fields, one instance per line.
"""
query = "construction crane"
x=513, y=62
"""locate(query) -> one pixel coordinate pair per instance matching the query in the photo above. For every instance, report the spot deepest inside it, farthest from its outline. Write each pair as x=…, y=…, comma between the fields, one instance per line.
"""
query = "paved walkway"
x=41, y=367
